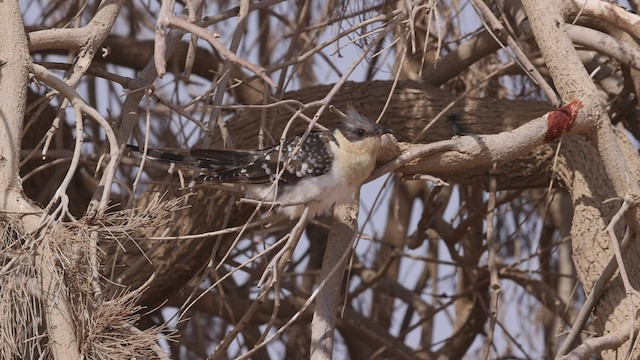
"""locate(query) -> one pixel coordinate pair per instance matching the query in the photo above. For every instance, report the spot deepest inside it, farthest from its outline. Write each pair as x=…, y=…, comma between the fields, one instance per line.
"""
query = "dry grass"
x=21, y=323
x=109, y=331
x=112, y=334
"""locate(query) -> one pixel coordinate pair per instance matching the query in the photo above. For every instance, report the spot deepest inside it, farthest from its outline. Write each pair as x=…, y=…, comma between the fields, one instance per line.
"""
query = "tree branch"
x=343, y=230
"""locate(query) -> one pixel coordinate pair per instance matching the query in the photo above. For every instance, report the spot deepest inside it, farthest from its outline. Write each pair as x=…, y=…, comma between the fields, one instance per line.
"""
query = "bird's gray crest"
x=357, y=127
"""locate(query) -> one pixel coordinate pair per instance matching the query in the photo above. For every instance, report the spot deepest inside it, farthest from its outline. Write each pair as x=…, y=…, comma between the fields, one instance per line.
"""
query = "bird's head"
x=356, y=127
x=357, y=134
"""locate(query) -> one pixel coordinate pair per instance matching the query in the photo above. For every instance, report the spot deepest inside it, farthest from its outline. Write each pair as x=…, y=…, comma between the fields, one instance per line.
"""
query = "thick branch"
x=460, y=58
x=480, y=151
x=573, y=82
x=605, y=44
x=14, y=73
x=341, y=237
x=91, y=35
x=14, y=69
x=606, y=175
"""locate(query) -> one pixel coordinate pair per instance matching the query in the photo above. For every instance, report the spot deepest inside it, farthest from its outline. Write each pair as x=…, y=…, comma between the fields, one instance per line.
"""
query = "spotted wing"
x=314, y=158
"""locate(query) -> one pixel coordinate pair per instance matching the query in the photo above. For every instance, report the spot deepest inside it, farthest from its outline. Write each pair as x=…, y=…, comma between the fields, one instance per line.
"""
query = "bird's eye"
x=360, y=132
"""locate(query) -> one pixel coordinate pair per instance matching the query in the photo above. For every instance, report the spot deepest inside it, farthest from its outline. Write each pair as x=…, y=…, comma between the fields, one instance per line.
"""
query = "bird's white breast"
x=319, y=193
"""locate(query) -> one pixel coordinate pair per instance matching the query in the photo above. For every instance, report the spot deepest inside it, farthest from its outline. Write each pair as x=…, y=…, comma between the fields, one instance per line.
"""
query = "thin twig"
x=275, y=267
x=492, y=248
x=297, y=315
x=594, y=296
x=42, y=74
x=596, y=345
x=211, y=39
x=494, y=26
x=610, y=229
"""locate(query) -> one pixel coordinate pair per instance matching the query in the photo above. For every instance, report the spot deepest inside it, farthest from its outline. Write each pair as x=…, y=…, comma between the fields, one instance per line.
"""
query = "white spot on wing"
x=266, y=169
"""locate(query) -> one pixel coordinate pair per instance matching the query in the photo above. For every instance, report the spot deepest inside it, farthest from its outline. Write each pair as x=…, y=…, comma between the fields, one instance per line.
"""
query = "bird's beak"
x=384, y=130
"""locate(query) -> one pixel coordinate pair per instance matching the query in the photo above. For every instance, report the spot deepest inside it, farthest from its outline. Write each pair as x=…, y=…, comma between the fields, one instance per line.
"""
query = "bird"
x=317, y=171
